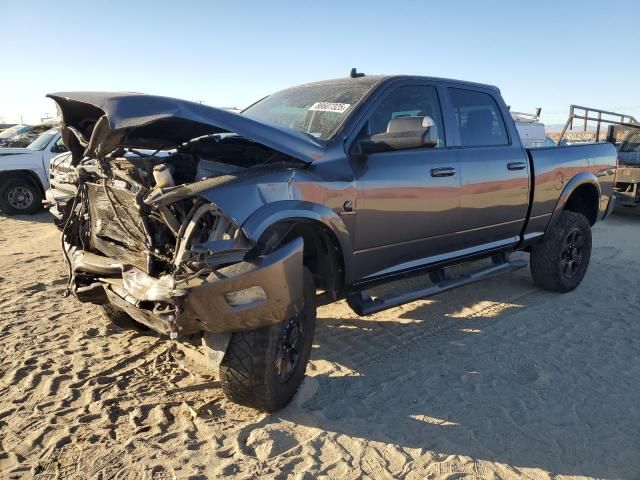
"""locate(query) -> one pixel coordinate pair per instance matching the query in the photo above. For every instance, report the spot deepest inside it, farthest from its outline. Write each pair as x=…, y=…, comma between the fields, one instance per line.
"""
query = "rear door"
x=494, y=169
x=407, y=200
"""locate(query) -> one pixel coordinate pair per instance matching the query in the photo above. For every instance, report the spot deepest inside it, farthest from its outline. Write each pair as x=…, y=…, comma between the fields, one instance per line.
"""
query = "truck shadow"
x=625, y=214
x=503, y=373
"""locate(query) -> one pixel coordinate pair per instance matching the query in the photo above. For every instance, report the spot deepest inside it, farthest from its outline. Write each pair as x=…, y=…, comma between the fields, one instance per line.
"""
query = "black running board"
x=363, y=304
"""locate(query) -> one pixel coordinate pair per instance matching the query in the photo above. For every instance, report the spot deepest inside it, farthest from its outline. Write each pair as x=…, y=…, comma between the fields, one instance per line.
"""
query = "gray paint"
x=400, y=216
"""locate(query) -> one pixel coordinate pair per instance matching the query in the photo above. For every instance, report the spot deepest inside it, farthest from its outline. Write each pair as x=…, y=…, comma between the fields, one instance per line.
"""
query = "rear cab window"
x=631, y=143
x=629, y=152
x=478, y=118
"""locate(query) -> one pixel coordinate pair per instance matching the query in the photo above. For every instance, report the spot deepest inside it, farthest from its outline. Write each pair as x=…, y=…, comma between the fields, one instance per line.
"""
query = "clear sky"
x=540, y=53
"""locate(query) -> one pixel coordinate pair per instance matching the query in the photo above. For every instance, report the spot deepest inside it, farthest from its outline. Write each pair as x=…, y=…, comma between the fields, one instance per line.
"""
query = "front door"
x=407, y=200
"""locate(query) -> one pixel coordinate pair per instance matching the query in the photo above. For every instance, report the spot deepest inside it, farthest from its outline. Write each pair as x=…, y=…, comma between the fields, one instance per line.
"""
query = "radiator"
x=124, y=240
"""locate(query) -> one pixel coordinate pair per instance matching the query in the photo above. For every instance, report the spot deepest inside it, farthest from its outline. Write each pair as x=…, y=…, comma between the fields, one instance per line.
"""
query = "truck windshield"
x=42, y=141
x=316, y=109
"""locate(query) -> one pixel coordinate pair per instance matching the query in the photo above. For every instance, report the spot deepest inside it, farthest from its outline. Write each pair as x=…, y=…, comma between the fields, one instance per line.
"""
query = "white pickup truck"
x=24, y=173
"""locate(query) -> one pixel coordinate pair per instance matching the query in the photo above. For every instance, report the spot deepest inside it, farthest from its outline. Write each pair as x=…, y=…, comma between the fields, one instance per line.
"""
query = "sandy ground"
x=496, y=380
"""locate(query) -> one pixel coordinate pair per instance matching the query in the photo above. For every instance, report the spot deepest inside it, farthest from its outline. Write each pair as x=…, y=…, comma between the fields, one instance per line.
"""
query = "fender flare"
x=33, y=175
x=263, y=218
x=579, y=180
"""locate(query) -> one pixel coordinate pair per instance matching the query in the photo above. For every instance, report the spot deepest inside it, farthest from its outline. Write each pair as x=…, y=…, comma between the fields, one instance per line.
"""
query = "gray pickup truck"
x=240, y=225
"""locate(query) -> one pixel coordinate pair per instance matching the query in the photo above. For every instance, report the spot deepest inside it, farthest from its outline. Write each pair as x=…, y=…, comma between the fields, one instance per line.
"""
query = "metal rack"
x=587, y=114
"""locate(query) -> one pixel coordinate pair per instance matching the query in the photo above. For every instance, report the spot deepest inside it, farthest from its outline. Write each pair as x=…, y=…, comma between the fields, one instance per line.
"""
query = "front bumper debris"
x=244, y=296
x=56, y=200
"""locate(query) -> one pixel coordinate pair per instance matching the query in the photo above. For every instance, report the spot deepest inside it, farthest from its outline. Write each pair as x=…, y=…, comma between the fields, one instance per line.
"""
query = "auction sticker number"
x=329, y=107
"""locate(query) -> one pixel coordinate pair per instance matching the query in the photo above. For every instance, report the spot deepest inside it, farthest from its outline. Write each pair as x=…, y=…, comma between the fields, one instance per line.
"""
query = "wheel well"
x=584, y=200
x=322, y=254
x=28, y=174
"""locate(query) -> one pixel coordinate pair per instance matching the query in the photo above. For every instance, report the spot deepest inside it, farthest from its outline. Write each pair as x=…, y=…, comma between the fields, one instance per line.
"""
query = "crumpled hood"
x=96, y=123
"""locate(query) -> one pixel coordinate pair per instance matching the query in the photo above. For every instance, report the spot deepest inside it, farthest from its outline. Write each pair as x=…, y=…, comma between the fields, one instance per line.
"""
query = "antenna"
x=355, y=74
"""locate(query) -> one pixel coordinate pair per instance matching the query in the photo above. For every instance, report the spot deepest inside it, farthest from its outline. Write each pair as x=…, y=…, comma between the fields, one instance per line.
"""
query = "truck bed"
x=554, y=167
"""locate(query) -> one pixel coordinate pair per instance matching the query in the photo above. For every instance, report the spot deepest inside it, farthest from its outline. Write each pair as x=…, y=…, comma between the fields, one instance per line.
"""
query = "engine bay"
x=114, y=214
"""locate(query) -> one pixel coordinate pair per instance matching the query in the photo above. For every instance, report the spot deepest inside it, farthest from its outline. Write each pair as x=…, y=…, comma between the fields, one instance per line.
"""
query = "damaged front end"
x=180, y=267
x=141, y=237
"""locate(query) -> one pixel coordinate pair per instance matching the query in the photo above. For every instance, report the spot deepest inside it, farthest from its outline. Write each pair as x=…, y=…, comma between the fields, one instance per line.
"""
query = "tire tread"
x=544, y=266
x=20, y=181
x=246, y=372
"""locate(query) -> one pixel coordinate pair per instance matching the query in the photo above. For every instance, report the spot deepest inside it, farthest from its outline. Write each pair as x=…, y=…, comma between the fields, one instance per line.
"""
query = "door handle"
x=516, y=165
x=443, y=172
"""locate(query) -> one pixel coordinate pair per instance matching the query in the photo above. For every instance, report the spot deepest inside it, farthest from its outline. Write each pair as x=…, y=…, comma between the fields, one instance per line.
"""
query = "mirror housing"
x=403, y=133
x=59, y=148
x=62, y=149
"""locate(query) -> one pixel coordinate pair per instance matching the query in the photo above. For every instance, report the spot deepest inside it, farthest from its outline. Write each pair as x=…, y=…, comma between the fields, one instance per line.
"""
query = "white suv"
x=24, y=173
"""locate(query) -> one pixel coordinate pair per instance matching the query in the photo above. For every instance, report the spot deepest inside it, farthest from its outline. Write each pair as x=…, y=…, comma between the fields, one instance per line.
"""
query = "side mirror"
x=403, y=133
x=59, y=148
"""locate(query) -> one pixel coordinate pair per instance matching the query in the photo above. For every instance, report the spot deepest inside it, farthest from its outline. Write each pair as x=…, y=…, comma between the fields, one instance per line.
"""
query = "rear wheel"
x=560, y=262
x=19, y=196
x=263, y=368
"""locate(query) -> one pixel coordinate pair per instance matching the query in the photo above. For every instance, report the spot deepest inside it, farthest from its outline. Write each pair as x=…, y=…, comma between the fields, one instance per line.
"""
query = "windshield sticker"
x=329, y=107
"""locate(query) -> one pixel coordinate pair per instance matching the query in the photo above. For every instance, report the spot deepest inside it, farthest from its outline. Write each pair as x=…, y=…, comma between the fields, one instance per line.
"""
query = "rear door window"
x=478, y=117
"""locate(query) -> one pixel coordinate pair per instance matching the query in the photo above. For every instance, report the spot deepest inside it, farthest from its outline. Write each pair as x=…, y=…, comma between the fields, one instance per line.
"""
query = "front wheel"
x=19, y=196
x=263, y=368
x=560, y=262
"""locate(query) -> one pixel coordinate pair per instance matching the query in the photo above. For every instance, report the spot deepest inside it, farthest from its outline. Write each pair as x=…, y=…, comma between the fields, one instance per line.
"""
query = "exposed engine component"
x=162, y=176
x=114, y=218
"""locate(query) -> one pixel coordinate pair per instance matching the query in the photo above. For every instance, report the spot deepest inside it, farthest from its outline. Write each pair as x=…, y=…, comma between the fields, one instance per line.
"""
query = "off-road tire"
x=248, y=372
x=121, y=318
x=549, y=259
x=8, y=201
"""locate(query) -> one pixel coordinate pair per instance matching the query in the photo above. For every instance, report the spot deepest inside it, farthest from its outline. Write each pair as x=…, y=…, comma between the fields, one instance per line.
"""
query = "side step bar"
x=363, y=304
